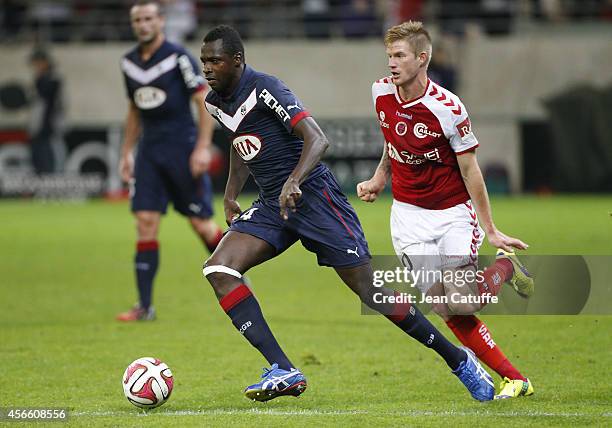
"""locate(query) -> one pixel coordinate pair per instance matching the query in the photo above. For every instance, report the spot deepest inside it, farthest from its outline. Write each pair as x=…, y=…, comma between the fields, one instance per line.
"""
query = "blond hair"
x=414, y=33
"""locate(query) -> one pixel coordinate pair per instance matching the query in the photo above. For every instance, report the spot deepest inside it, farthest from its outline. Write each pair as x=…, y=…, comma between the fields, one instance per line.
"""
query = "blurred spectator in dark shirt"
x=47, y=113
x=498, y=16
x=316, y=18
x=51, y=20
x=441, y=69
x=454, y=15
x=359, y=18
x=12, y=17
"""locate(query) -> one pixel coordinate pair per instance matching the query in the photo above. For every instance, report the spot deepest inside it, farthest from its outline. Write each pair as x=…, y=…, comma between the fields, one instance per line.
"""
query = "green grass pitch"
x=67, y=270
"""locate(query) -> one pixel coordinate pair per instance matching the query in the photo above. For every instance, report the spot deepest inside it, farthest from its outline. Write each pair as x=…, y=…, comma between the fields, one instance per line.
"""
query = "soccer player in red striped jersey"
x=439, y=196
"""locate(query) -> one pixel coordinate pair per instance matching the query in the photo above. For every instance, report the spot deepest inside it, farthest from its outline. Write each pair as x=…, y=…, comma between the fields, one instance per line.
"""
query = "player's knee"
x=220, y=275
x=202, y=225
x=147, y=224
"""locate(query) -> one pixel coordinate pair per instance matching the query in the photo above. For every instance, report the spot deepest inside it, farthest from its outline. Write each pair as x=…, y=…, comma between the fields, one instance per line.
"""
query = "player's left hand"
x=199, y=161
x=288, y=197
x=500, y=240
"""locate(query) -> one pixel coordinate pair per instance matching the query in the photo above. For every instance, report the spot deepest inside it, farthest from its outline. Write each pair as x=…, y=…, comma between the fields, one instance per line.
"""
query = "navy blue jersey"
x=259, y=118
x=161, y=88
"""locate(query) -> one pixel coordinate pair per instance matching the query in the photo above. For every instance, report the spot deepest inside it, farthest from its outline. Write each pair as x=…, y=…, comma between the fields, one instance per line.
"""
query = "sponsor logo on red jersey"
x=465, y=127
x=421, y=131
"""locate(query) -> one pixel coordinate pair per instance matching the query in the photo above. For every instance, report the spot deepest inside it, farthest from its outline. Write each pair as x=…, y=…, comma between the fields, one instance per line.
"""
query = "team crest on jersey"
x=421, y=131
x=149, y=97
x=247, y=146
x=381, y=115
x=401, y=128
x=243, y=110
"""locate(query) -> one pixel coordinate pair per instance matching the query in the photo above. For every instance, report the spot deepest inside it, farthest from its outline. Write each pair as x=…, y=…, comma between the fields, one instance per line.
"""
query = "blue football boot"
x=276, y=382
x=475, y=378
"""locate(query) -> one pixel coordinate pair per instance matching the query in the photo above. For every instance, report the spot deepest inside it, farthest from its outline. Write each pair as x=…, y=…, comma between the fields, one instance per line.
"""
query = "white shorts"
x=433, y=240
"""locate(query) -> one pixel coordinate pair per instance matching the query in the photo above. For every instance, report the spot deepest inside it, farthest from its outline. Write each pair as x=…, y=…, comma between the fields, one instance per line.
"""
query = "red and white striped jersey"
x=423, y=137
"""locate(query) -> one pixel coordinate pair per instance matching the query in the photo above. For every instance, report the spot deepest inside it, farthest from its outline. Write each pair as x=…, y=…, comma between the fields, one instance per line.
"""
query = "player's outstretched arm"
x=369, y=190
x=315, y=144
x=238, y=175
x=472, y=177
x=200, y=157
x=130, y=138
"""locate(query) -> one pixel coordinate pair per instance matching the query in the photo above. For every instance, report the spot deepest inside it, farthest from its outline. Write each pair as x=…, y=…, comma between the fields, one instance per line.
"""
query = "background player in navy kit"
x=162, y=79
x=277, y=141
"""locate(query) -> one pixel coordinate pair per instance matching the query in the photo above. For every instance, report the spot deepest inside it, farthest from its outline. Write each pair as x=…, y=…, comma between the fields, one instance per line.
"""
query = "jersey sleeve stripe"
x=471, y=149
x=298, y=117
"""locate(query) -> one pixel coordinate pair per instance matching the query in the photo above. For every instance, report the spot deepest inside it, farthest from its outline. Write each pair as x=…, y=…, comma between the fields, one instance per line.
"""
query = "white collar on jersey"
x=233, y=122
x=145, y=77
x=406, y=104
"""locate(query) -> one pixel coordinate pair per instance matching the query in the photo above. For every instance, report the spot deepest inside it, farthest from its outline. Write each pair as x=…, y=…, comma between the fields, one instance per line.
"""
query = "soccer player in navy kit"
x=162, y=80
x=277, y=141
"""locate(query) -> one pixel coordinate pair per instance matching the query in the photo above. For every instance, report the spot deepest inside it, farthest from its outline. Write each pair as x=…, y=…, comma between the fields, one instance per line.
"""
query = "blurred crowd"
x=107, y=20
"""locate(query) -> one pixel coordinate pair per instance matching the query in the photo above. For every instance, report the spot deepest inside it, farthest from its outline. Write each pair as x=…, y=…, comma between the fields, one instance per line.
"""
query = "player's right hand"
x=369, y=190
x=126, y=167
x=232, y=210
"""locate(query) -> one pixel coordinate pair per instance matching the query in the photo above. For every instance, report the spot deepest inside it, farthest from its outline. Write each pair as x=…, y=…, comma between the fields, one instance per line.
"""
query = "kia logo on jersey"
x=401, y=128
x=421, y=131
x=247, y=146
x=148, y=97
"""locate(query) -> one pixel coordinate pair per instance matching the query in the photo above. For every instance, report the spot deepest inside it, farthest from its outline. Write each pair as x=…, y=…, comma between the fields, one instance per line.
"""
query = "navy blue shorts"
x=325, y=223
x=163, y=176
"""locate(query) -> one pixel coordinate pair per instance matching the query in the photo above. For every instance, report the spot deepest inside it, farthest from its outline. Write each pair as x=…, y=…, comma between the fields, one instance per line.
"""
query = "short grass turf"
x=67, y=270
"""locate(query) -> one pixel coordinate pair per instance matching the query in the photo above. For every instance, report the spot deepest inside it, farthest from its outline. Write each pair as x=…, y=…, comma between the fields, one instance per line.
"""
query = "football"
x=147, y=383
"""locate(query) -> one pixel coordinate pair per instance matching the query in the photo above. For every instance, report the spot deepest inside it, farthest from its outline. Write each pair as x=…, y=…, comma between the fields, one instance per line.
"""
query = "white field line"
x=309, y=412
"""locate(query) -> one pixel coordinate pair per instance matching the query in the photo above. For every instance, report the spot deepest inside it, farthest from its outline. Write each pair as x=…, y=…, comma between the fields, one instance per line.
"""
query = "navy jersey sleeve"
x=192, y=77
x=275, y=95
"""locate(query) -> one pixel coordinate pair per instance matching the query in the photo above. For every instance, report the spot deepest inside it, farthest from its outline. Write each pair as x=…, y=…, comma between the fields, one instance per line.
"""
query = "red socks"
x=495, y=276
x=212, y=244
x=475, y=335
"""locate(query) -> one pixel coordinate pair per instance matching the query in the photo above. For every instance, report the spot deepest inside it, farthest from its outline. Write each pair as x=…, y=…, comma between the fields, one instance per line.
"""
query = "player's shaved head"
x=414, y=33
x=231, y=40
